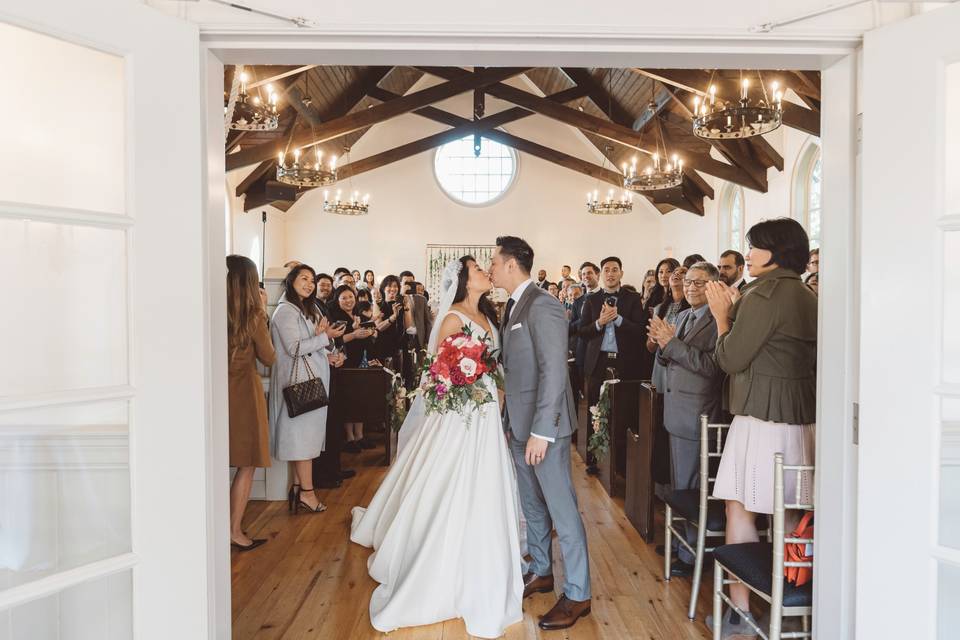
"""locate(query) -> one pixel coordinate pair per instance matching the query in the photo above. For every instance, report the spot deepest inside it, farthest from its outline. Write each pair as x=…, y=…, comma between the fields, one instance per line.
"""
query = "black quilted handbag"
x=302, y=397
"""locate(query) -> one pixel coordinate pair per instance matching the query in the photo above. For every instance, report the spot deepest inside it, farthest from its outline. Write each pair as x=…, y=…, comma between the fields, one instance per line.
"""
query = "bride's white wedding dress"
x=444, y=526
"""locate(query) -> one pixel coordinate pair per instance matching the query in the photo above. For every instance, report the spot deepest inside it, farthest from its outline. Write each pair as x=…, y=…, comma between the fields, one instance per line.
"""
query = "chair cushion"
x=686, y=504
x=752, y=562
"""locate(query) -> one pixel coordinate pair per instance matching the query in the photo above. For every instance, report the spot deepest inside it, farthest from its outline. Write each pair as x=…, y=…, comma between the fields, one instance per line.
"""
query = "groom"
x=539, y=419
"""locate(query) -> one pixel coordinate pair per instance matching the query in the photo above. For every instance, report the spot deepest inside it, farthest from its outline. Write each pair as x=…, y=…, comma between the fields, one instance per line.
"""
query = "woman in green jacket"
x=767, y=344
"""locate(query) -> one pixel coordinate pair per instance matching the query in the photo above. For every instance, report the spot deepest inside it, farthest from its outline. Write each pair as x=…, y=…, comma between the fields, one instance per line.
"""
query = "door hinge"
x=856, y=423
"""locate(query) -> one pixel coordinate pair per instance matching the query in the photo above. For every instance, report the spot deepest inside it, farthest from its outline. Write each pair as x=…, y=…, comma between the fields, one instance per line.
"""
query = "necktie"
x=682, y=329
x=506, y=312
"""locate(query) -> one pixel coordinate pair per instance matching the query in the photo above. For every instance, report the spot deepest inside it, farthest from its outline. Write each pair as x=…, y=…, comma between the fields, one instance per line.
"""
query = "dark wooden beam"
x=385, y=111
x=797, y=117
x=262, y=169
x=234, y=139
x=599, y=95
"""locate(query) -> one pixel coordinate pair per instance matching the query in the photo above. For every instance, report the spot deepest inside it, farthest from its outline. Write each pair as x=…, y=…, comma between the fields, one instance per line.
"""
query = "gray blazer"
x=422, y=319
x=694, y=379
x=538, y=395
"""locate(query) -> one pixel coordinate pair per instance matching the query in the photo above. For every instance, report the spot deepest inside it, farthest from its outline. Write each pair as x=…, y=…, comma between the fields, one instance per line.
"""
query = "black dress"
x=355, y=349
x=390, y=340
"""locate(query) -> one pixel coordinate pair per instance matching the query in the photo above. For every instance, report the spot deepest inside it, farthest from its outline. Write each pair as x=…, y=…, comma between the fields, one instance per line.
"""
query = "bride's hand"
x=501, y=398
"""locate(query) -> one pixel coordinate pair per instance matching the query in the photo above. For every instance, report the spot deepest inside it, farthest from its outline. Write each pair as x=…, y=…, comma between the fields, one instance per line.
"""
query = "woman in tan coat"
x=249, y=341
x=767, y=345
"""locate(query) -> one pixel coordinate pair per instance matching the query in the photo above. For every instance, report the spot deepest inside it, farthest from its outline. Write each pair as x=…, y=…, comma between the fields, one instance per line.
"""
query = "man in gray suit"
x=539, y=418
x=694, y=382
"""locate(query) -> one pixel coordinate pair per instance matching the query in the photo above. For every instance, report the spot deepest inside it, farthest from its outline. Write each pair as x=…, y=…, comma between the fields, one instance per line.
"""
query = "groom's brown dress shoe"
x=532, y=583
x=564, y=614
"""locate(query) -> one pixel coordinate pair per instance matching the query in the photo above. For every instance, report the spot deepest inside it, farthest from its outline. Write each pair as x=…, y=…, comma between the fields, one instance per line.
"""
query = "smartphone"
x=340, y=324
x=610, y=301
x=368, y=324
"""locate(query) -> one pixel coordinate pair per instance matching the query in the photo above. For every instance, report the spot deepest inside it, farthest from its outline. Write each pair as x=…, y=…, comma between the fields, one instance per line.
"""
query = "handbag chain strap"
x=296, y=366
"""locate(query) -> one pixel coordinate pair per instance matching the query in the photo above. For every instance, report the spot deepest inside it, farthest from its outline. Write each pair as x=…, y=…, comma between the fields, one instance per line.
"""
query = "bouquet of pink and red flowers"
x=452, y=379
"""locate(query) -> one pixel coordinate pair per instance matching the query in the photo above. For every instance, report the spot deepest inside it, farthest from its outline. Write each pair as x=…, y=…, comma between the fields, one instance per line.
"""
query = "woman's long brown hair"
x=243, y=302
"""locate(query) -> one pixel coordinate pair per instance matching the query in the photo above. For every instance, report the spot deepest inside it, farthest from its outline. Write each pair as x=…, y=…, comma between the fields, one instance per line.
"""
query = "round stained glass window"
x=472, y=179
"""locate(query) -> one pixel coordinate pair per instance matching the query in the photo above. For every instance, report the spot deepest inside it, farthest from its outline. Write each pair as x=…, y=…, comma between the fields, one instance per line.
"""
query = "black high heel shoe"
x=292, y=497
x=300, y=503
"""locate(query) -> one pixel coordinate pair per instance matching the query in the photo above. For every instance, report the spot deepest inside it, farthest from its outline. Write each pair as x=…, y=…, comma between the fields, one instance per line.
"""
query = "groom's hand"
x=536, y=450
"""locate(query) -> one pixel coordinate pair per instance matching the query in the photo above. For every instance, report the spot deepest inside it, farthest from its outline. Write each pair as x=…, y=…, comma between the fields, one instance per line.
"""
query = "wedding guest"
x=339, y=272
x=390, y=340
x=553, y=290
x=422, y=291
x=346, y=279
x=731, y=269
x=670, y=308
x=324, y=289
x=611, y=325
x=590, y=277
x=692, y=259
x=649, y=282
x=249, y=341
x=298, y=329
x=290, y=264
x=659, y=292
x=693, y=386
x=356, y=277
x=813, y=283
x=357, y=344
x=768, y=347
x=419, y=322
x=369, y=280
x=813, y=263
x=565, y=272
x=542, y=279
x=364, y=295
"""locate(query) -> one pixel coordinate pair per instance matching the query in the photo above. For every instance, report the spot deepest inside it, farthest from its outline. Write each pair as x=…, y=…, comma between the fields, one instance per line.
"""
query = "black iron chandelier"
x=251, y=113
x=719, y=120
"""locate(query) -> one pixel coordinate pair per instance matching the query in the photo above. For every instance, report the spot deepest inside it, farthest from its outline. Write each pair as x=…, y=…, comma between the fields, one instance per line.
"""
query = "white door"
x=908, y=558
x=103, y=514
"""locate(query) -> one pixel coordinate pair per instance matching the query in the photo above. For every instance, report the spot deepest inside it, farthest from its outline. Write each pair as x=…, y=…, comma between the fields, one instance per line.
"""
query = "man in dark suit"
x=589, y=278
x=542, y=281
x=694, y=382
x=611, y=325
x=731, y=269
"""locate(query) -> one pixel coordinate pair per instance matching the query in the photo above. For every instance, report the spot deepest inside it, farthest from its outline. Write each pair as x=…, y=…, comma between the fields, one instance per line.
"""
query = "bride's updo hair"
x=486, y=307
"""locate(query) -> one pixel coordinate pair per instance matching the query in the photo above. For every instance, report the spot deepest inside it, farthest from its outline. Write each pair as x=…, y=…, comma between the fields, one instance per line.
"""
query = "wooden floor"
x=310, y=581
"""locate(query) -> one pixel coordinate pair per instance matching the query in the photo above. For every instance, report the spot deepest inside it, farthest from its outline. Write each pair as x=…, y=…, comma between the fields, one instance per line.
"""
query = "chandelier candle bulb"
x=743, y=88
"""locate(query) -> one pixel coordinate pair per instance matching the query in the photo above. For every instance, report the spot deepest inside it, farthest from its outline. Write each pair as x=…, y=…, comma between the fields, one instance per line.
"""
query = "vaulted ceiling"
x=620, y=111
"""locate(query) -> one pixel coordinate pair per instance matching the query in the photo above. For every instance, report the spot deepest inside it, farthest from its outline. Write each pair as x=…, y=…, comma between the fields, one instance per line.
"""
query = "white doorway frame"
x=838, y=348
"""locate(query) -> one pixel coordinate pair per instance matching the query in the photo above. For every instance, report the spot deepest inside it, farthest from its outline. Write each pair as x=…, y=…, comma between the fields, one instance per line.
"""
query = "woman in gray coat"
x=298, y=324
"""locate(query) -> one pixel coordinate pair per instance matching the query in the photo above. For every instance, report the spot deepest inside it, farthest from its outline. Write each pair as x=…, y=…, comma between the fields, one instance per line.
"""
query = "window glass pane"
x=66, y=145
x=64, y=489
x=69, y=283
x=100, y=609
x=471, y=179
x=948, y=616
x=813, y=201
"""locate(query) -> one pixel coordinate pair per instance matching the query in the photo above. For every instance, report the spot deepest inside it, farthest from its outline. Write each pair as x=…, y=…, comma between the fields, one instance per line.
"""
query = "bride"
x=444, y=524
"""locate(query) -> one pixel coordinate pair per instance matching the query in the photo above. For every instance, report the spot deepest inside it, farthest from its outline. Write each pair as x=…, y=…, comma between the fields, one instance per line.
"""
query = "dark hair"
x=552, y=284
x=340, y=270
x=737, y=257
x=611, y=259
x=364, y=293
x=659, y=293
x=307, y=306
x=361, y=307
x=485, y=306
x=405, y=274
x=785, y=239
x=370, y=271
x=693, y=259
x=324, y=276
x=243, y=301
x=518, y=249
x=815, y=252
x=386, y=282
x=566, y=266
x=335, y=298
x=595, y=268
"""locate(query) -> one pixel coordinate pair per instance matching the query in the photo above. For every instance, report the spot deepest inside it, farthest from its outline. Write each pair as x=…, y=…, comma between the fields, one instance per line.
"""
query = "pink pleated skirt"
x=746, y=467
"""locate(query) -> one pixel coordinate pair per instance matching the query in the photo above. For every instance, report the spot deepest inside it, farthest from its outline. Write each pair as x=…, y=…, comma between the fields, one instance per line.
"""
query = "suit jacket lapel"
x=698, y=326
x=518, y=308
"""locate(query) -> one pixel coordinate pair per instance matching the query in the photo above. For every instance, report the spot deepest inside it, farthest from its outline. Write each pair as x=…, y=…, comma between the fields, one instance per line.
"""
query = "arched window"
x=731, y=219
x=807, y=180
x=472, y=179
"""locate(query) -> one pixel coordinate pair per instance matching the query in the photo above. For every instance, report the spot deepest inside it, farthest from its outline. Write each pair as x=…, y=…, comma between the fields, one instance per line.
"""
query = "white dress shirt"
x=515, y=296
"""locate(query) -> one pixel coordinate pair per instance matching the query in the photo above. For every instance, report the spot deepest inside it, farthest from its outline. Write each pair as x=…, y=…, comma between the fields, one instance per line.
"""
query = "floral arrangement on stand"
x=599, y=443
x=396, y=400
x=453, y=377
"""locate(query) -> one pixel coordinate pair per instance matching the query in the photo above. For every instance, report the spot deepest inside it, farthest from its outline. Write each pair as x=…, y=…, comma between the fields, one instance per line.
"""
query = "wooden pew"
x=360, y=395
x=584, y=428
x=641, y=445
x=624, y=414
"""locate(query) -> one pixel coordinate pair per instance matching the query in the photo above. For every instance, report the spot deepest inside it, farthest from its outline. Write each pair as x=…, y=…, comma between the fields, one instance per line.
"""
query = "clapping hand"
x=322, y=327
x=336, y=360
x=721, y=297
x=333, y=331
x=660, y=331
x=607, y=315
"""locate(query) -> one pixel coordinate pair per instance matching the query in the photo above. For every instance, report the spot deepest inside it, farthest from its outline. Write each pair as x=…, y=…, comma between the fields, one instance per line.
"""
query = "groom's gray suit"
x=539, y=402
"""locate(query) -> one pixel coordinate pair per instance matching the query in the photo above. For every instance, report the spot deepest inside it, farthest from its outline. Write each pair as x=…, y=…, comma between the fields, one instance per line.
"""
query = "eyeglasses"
x=698, y=284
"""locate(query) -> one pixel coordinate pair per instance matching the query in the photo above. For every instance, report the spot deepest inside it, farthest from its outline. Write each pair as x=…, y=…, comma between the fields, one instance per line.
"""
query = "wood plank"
x=255, y=175
x=362, y=119
x=805, y=120
x=309, y=581
x=600, y=95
